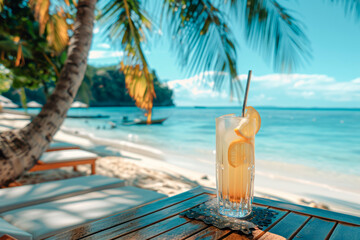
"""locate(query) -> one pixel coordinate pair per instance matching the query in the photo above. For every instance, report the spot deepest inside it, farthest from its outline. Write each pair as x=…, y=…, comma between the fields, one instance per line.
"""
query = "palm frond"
x=41, y=12
x=8, y=45
x=137, y=85
x=202, y=39
x=274, y=32
x=54, y=23
x=20, y=61
x=351, y=7
x=126, y=23
x=71, y=3
x=57, y=32
x=14, y=49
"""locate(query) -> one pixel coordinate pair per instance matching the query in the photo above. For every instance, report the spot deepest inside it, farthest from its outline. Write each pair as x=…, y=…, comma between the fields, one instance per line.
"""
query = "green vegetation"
x=27, y=59
x=100, y=87
x=25, y=49
x=108, y=88
x=32, y=54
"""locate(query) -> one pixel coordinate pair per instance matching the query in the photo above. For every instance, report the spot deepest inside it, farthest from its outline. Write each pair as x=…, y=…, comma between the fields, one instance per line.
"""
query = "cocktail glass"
x=235, y=166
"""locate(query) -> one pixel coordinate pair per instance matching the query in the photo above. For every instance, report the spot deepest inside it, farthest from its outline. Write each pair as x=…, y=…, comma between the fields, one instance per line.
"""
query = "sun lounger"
x=16, y=233
x=65, y=158
x=48, y=218
x=57, y=146
x=23, y=196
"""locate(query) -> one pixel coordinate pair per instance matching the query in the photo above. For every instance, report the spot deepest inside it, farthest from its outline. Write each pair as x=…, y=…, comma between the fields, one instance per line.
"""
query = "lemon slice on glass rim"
x=246, y=127
x=240, y=152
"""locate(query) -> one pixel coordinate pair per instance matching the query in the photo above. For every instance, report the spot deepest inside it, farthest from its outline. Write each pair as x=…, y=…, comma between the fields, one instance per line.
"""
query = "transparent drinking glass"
x=235, y=166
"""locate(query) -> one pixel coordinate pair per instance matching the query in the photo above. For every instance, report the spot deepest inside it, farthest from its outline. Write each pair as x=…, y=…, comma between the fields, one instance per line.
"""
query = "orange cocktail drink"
x=235, y=162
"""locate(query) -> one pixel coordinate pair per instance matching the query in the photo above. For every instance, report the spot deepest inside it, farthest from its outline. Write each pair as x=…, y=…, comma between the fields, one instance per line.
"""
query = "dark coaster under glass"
x=209, y=214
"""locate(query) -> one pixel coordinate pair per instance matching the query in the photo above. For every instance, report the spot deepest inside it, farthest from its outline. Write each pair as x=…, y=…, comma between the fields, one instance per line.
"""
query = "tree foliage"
x=101, y=87
x=24, y=51
x=108, y=88
x=271, y=29
x=126, y=21
x=5, y=79
x=202, y=37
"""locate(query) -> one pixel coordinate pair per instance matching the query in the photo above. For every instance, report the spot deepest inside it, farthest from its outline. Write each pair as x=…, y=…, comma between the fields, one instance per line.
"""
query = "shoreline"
x=273, y=180
x=257, y=107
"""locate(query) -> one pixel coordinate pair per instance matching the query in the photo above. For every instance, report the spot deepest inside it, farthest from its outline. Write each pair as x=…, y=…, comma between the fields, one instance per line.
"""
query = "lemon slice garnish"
x=240, y=151
x=247, y=128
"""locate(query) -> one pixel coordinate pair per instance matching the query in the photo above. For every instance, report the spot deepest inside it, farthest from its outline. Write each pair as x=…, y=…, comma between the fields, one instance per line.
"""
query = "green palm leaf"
x=274, y=32
x=125, y=21
x=351, y=7
x=55, y=23
x=57, y=32
x=10, y=48
x=41, y=12
x=8, y=45
x=202, y=40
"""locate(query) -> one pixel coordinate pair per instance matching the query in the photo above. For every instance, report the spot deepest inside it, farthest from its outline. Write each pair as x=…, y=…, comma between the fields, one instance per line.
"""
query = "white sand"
x=147, y=167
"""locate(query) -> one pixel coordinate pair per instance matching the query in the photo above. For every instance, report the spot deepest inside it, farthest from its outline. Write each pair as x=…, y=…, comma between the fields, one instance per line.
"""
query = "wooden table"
x=161, y=220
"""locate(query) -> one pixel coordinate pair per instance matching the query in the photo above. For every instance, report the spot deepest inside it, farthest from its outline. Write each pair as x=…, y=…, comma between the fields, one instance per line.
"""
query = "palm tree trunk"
x=20, y=149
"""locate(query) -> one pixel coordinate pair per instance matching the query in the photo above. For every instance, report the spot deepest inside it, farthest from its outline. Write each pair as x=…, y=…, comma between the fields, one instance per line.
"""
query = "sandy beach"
x=146, y=167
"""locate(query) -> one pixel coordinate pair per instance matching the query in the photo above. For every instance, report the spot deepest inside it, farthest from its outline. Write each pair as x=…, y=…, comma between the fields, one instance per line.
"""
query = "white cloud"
x=356, y=80
x=188, y=83
x=310, y=86
x=197, y=90
x=104, y=45
x=197, y=79
x=96, y=30
x=101, y=54
x=307, y=94
x=317, y=88
x=297, y=80
x=259, y=97
x=197, y=85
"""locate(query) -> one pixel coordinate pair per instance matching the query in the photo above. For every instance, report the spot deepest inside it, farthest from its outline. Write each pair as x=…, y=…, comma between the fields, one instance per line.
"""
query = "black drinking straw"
x=246, y=93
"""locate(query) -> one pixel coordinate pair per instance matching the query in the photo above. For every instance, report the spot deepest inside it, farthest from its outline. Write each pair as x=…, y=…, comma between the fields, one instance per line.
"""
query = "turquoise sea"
x=324, y=139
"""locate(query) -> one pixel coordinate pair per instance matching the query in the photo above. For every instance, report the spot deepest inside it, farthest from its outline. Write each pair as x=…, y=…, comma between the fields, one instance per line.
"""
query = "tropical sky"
x=331, y=78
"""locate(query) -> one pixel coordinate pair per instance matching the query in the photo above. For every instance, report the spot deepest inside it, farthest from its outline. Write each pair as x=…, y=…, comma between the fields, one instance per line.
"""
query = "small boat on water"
x=138, y=121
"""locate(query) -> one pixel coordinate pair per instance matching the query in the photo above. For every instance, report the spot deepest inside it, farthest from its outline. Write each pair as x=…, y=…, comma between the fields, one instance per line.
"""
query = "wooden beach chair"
x=27, y=195
x=65, y=158
x=58, y=146
x=42, y=210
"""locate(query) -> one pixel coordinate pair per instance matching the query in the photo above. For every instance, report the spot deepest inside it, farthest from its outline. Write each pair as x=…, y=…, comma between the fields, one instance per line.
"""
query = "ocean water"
x=327, y=140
